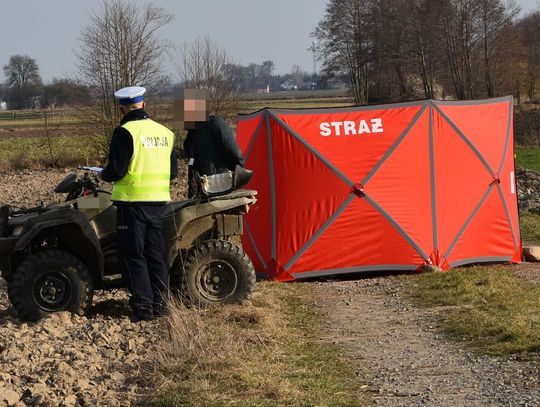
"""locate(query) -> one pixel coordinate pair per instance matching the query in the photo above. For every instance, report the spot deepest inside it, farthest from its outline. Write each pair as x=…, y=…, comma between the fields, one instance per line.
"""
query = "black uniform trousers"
x=141, y=247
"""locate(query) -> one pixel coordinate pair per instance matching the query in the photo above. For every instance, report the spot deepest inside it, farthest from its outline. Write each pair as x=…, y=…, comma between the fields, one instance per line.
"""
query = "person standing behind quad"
x=142, y=161
x=210, y=143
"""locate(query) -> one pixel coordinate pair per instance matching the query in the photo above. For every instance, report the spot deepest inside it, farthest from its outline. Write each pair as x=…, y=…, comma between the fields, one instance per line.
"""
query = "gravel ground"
x=409, y=361
x=530, y=271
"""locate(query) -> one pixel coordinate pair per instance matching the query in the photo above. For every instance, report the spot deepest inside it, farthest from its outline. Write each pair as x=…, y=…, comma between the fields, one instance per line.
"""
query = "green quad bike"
x=54, y=256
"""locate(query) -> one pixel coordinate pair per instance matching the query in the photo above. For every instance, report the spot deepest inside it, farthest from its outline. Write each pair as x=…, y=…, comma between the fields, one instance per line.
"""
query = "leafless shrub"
x=21, y=162
x=527, y=127
x=50, y=124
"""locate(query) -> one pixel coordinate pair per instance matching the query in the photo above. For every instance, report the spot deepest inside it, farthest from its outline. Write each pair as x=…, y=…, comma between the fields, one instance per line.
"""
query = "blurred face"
x=190, y=108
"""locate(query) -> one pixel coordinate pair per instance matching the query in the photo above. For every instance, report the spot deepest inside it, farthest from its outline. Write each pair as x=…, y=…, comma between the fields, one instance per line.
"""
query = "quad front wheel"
x=50, y=281
x=216, y=272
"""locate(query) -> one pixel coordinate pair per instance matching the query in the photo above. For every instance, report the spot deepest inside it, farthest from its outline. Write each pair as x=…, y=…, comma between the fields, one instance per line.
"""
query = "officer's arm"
x=228, y=141
x=120, y=153
x=187, y=146
x=186, y=143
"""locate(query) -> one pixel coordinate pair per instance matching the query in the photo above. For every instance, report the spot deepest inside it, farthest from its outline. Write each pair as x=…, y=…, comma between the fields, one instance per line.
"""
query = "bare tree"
x=119, y=47
x=297, y=75
x=203, y=64
x=426, y=45
x=22, y=80
x=495, y=17
x=392, y=50
x=388, y=30
x=515, y=69
x=530, y=30
x=343, y=43
x=461, y=28
x=267, y=69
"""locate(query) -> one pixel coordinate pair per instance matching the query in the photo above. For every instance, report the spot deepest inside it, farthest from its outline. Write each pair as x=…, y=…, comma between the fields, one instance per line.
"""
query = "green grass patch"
x=32, y=152
x=528, y=158
x=530, y=227
x=495, y=311
x=265, y=354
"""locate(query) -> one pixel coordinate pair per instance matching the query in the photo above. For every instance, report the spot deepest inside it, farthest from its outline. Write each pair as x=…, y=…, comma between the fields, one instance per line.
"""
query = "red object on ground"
x=390, y=187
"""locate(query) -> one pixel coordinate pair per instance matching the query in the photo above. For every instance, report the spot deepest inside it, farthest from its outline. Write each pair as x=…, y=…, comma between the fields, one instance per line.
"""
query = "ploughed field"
x=66, y=359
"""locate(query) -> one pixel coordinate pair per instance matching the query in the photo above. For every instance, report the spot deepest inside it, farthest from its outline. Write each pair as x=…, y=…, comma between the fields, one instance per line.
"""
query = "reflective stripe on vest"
x=149, y=171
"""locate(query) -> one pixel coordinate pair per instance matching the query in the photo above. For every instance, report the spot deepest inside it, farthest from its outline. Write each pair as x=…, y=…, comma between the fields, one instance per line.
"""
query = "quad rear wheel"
x=216, y=272
x=50, y=281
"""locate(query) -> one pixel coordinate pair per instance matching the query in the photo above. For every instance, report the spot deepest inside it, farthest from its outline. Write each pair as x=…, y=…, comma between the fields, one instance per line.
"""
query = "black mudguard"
x=86, y=244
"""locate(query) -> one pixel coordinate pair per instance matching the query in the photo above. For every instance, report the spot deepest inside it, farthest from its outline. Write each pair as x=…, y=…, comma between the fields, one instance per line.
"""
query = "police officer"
x=141, y=163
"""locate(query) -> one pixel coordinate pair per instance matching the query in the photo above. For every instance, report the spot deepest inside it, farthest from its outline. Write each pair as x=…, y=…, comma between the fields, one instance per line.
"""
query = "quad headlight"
x=17, y=230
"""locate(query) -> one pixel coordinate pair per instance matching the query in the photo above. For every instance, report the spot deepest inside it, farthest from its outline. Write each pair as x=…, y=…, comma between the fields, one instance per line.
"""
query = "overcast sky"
x=251, y=30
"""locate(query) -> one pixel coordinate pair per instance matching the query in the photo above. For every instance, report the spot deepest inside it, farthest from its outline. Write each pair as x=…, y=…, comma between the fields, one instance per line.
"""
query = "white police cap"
x=130, y=95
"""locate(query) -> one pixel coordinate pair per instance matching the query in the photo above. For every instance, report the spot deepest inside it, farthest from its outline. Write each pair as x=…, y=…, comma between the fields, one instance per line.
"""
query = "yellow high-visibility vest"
x=149, y=172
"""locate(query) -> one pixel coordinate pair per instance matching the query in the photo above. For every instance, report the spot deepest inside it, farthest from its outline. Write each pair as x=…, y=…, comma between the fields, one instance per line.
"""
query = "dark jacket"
x=121, y=150
x=213, y=147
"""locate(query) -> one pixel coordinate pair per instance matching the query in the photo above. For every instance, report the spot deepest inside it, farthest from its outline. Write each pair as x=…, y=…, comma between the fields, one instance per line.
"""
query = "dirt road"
x=409, y=361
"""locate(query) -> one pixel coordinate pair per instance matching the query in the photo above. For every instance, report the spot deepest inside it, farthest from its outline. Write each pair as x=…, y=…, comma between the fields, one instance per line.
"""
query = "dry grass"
x=266, y=353
x=22, y=161
x=491, y=308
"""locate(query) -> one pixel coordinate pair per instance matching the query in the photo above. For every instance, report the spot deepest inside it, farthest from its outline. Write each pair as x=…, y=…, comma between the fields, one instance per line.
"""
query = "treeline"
x=24, y=88
x=396, y=50
x=259, y=76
